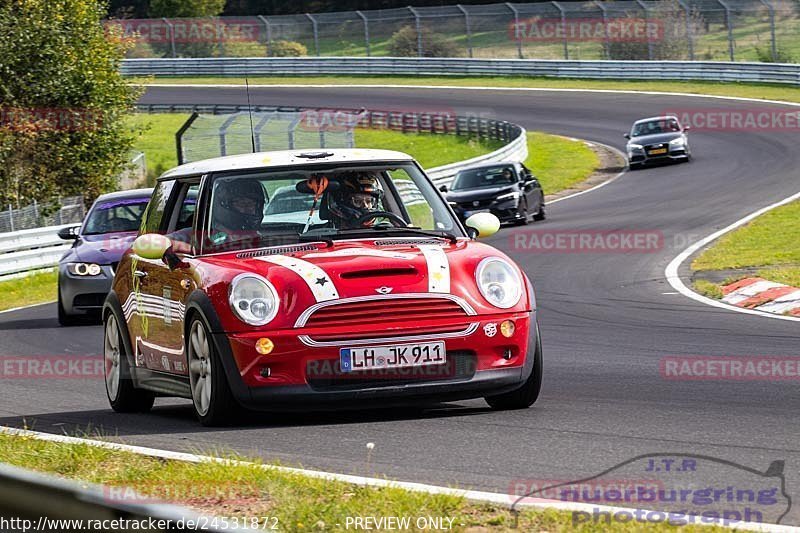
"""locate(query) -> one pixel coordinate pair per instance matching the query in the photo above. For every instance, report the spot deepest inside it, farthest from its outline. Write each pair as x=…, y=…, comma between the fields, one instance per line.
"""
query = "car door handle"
x=140, y=274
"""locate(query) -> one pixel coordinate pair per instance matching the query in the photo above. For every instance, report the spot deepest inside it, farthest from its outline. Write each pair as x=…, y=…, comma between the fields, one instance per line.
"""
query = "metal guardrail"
x=33, y=249
x=783, y=73
x=54, y=504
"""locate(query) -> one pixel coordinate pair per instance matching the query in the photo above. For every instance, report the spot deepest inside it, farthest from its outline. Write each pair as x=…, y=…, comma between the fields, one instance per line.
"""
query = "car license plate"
x=658, y=151
x=394, y=356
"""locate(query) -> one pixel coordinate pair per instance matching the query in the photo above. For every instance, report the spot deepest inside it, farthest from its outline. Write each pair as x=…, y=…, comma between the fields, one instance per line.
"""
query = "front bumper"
x=641, y=157
x=300, y=375
x=84, y=293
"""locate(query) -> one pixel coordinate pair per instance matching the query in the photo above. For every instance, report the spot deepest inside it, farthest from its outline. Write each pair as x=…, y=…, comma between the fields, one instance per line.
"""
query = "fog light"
x=507, y=354
x=507, y=328
x=264, y=346
x=265, y=372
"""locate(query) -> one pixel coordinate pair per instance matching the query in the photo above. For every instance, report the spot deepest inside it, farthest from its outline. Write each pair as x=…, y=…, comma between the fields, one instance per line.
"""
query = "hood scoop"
x=379, y=272
x=277, y=251
x=407, y=242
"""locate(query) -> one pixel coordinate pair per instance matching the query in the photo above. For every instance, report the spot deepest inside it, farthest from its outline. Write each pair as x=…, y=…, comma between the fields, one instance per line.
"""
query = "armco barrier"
x=32, y=249
x=614, y=70
x=42, y=500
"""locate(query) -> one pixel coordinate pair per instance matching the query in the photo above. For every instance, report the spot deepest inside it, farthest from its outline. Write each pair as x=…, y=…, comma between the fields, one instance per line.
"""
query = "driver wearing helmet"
x=238, y=209
x=358, y=195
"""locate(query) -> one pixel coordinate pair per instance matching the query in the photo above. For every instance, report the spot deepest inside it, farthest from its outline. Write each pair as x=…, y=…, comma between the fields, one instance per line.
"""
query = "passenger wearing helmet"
x=358, y=194
x=237, y=209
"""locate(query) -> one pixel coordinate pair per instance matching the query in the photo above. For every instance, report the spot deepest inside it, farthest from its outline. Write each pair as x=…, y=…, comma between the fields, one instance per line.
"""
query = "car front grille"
x=480, y=203
x=389, y=316
x=394, y=310
x=327, y=375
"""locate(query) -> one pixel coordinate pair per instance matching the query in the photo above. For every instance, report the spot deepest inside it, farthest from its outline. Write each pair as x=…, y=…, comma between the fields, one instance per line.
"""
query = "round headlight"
x=498, y=282
x=253, y=299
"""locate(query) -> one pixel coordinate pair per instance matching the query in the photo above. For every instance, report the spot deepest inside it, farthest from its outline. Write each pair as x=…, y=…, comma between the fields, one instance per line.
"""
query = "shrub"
x=287, y=49
x=404, y=44
x=764, y=55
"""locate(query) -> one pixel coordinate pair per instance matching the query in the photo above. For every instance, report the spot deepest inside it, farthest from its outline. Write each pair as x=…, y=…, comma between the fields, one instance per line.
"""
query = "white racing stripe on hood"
x=438, y=268
x=318, y=281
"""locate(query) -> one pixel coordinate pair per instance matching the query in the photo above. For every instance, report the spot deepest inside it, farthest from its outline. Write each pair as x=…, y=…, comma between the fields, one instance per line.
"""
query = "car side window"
x=154, y=221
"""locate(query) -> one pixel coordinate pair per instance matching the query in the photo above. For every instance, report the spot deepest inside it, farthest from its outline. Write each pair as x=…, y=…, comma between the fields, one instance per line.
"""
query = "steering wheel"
x=396, y=220
x=117, y=224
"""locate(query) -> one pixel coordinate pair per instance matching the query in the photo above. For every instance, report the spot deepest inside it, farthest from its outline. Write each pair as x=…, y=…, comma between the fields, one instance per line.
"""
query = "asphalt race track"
x=607, y=319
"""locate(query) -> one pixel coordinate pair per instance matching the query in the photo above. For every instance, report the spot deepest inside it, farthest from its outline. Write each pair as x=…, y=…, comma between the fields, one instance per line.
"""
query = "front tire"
x=541, y=215
x=212, y=399
x=122, y=395
x=525, y=396
x=523, y=213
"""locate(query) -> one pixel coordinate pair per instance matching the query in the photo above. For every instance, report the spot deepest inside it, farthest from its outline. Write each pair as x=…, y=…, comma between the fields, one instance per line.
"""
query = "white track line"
x=671, y=272
x=603, y=184
x=26, y=307
x=479, y=496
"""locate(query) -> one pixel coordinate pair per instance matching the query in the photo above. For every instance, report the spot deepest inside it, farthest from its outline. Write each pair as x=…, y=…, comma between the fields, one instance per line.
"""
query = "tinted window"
x=111, y=216
x=652, y=127
x=484, y=177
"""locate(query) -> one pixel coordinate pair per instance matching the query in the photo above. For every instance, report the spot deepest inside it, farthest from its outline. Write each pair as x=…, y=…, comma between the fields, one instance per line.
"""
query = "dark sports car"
x=657, y=139
x=86, y=271
x=507, y=190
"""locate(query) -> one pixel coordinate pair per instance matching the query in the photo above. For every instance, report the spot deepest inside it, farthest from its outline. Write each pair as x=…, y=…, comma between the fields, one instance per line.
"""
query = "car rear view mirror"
x=485, y=224
x=68, y=234
x=626, y=135
x=443, y=188
x=151, y=246
x=687, y=128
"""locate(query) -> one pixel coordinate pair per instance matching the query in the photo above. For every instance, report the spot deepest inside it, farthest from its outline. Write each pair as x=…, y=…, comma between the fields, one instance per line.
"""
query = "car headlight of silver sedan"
x=499, y=282
x=635, y=147
x=253, y=299
x=679, y=141
x=84, y=270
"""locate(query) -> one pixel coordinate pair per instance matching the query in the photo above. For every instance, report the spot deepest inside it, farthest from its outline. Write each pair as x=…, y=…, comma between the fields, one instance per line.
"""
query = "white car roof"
x=286, y=158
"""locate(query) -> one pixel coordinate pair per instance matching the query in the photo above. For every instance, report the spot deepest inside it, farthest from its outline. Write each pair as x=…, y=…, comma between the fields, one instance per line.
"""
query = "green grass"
x=33, y=289
x=429, y=149
x=773, y=239
x=786, y=275
x=745, y=90
x=707, y=288
x=298, y=502
x=157, y=140
x=559, y=162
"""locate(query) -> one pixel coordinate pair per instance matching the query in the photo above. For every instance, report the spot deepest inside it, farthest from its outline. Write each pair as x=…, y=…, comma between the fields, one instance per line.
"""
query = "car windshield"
x=479, y=178
x=113, y=216
x=652, y=127
x=286, y=207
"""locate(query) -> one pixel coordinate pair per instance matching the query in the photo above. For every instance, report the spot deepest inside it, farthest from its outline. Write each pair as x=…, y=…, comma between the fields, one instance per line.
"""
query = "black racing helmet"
x=239, y=204
x=359, y=193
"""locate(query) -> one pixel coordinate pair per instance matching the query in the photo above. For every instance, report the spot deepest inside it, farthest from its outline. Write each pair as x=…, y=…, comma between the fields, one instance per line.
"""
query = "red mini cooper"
x=303, y=280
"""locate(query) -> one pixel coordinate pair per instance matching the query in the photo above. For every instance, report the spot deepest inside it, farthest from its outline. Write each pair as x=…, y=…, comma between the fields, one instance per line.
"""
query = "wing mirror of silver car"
x=626, y=135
